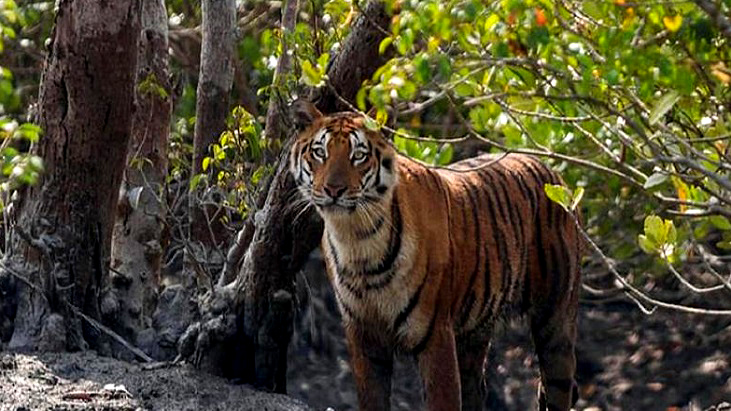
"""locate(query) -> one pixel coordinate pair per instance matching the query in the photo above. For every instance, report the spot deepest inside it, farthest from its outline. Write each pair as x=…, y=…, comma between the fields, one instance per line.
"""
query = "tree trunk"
x=246, y=326
x=214, y=86
x=138, y=242
x=60, y=241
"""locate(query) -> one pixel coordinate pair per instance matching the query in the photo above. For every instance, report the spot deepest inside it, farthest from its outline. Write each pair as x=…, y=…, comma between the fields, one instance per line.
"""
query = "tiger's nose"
x=334, y=191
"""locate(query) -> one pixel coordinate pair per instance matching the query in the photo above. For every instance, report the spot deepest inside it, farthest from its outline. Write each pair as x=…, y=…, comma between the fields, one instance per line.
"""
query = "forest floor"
x=627, y=361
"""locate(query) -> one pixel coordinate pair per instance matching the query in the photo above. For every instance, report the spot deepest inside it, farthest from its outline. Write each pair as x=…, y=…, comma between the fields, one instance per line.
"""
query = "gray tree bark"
x=138, y=241
x=214, y=87
x=60, y=239
x=246, y=326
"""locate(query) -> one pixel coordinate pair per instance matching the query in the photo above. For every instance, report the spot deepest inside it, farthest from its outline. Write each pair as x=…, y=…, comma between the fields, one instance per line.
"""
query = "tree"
x=138, y=240
x=246, y=325
x=59, y=246
x=214, y=86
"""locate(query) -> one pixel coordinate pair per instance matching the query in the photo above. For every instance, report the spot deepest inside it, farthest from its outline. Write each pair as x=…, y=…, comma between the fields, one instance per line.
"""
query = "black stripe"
x=382, y=282
x=348, y=311
x=542, y=265
x=556, y=275
x=499, y=238
x=526, y=298
x=471, y=196
x=491, y=309
x=413, y=301
x=485, y=193
x=528, y=193
x=352, y=288
x=465, y=222
x=418, y=348
x=333, y=252
x=538, y=182
x=518, y=228
x=515, y=219
x=504, y=261
x=467, y=306
x=378, y=168
x=365, y=234
x=395, y=243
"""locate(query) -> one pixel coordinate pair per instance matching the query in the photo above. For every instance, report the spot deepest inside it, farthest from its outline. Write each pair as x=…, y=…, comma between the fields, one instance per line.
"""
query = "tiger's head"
x=340, y=165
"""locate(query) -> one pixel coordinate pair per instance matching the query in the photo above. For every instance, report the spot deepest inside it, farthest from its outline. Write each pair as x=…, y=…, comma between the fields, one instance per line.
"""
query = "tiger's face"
x=339, y=165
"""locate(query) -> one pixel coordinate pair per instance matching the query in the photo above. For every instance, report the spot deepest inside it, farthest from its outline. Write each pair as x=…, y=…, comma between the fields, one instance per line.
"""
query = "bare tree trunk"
x=62, y=233
x=214, y=86
x=249, y=339
x=138, y=241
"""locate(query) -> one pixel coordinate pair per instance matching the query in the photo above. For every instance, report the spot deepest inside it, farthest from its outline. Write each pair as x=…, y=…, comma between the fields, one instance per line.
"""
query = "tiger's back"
x=423, y=261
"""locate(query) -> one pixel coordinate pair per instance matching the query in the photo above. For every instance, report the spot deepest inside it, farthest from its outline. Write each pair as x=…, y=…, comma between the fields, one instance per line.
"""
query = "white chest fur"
x=365, y=293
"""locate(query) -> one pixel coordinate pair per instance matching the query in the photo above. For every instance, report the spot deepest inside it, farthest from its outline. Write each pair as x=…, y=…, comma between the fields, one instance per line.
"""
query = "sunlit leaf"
x=663, y=106
x=672, y=23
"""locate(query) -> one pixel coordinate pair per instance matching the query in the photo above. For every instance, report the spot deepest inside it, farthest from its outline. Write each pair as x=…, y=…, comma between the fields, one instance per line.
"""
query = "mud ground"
x=627, y=361
x=86, y=381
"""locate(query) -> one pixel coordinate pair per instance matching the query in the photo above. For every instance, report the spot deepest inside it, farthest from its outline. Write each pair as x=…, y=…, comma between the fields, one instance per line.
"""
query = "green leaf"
x=384, y=44
x=310, y=76
x=663, y=106
x=655, y=180
x=206, y=162
x=371, y=124
x=720, y=222
x=646, y=244
x=558, y=194
x=491, y=21
x=654, y=229
x=661, y=234
x=195, y=181
x=578, y=194
x=445, y=155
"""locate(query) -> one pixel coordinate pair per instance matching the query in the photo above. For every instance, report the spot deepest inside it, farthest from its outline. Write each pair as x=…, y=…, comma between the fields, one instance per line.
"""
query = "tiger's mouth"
x=330, y=205
x=337, y=208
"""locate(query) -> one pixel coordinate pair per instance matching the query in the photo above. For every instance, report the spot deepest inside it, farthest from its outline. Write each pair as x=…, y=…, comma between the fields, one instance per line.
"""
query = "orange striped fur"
x=424, y=261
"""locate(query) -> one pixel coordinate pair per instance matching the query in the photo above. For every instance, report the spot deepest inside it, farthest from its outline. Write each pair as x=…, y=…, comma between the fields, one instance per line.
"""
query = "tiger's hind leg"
x=554, y=334
x=471, y=359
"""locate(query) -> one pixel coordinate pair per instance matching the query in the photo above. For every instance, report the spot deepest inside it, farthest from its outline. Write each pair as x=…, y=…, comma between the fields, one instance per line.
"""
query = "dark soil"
x=627, y=361
x=86, y=381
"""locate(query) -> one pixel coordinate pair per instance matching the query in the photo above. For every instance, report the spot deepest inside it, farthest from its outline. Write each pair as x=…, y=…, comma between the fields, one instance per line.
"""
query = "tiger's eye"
x=358, y=156
x=318, y=152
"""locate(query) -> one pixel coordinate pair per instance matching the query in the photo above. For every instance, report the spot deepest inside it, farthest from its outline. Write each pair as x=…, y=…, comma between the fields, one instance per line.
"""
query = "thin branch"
x=636, y=294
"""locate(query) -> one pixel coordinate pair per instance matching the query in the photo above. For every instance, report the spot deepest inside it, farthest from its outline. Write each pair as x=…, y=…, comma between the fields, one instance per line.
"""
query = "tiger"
x=424, y=261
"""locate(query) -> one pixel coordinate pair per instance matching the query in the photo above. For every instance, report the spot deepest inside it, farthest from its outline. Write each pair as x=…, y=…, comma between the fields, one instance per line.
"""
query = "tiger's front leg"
x=372, y=364
x=439, y=370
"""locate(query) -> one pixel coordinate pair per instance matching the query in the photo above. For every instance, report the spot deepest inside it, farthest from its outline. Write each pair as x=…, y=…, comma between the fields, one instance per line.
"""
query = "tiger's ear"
x=304, y=113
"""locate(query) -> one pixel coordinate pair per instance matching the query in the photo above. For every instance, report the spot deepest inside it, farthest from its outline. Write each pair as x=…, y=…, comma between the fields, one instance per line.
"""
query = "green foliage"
x=151, y=86
x=18, y=167
x=236, y=162
x=428, y=152
x=659, y=237
x=562, y=196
